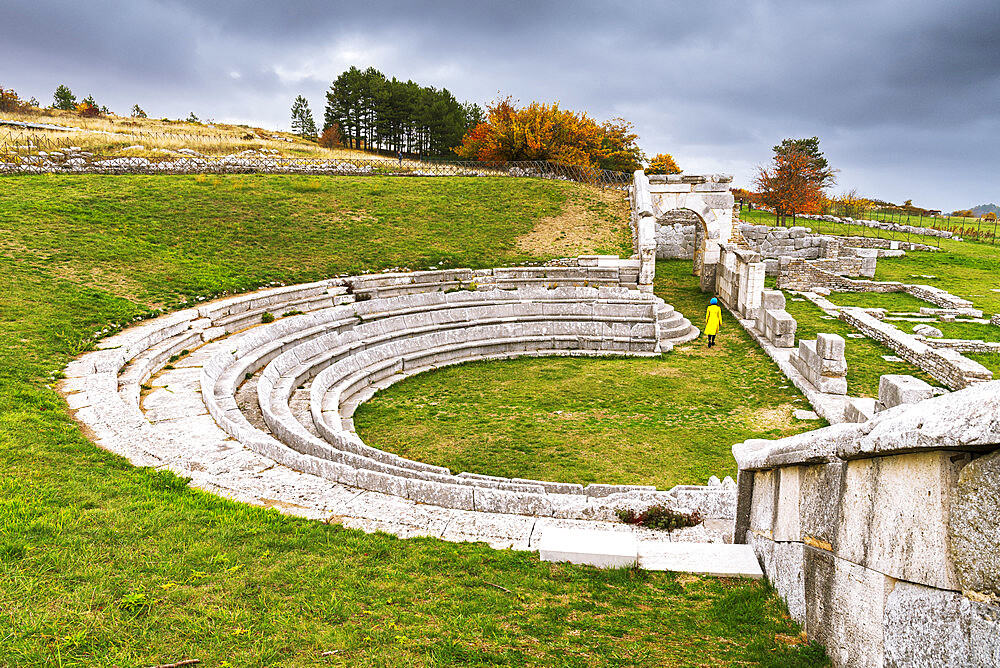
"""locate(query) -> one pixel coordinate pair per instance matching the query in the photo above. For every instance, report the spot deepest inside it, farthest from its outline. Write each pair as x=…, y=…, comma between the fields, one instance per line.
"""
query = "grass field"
x=663, y=422
x=864, y=356
x=109, y=134
x=103, y=564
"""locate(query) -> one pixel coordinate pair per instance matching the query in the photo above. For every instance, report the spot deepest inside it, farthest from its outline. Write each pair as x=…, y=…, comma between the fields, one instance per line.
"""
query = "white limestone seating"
x=340, y=344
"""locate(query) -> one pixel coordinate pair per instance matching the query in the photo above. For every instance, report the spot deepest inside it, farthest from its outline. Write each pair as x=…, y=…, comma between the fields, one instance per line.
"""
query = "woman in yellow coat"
x=713, y=320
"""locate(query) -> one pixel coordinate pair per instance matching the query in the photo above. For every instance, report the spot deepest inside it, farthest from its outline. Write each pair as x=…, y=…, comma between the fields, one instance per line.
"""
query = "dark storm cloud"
x=904, y=95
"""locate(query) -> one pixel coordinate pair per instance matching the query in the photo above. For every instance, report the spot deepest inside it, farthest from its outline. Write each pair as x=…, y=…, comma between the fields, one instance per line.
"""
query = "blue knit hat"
x=714, y=301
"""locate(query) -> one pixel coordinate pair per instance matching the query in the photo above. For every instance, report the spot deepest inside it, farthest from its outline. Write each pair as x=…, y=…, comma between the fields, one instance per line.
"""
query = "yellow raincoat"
x=713, y=319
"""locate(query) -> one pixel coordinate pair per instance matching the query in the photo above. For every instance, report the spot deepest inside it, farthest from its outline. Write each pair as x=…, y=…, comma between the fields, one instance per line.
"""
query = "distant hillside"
x=983, y=209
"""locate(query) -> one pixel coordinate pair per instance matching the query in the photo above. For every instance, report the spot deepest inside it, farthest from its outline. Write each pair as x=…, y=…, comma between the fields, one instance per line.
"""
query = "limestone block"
x=782, y=563
x=845, y=604
x=515, y=503
x=896, y=389
x=820, y=487
x=786, y=517
x=975, y=526
x=603, y=549
x=830, y=346
x=772, y=300
x=930, y=627
x=927, y=331
x=715, y=559
x=439, y=494
x=764, y=504
x=894, y=516
x=859, y=409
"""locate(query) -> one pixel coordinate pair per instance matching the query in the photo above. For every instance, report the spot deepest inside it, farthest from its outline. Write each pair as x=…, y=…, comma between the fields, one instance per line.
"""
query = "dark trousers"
x=711, y=340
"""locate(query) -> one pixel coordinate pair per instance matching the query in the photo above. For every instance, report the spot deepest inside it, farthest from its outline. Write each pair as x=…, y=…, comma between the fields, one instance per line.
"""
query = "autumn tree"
x=9, y=100
x=330, y=137
x=137, y=112
x=818, y=165
x=63, y=98
x=990, y=216
x=790, y=186
x=541, y=131
x=302, y=119
x=663, y=163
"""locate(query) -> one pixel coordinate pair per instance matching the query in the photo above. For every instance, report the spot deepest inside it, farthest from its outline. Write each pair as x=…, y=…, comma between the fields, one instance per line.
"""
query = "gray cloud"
x=902, y=93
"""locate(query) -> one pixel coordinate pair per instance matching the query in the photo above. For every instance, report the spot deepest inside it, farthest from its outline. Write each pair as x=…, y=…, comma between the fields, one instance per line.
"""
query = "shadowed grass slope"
x=103, y=564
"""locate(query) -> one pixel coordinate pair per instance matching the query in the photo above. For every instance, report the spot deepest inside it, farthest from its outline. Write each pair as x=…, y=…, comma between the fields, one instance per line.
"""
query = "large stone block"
x=783, y=565
x=786, y=516
x=929, y=627
x=830, y=346
x=845, y=604
x=974, y=527
x=772, y=300
x=762, y=509
x=894, y=516
x=820, y=487
x=896, y=389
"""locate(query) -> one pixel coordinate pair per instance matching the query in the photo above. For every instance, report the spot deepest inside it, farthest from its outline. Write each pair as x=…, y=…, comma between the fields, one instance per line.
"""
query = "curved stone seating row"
x=354, y=343
x=382, y=346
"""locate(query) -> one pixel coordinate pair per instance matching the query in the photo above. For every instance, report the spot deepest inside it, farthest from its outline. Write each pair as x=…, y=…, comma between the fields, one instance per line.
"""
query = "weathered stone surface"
x=783, y=565
x=820, y=487
x=893, y=516
x=859, y=409
x=716, y=559
x=968, y=419
x=974, y=527
x=928, y=331
x=896, y=389
x=929, y=627
x=830, y=346
x=845, y=607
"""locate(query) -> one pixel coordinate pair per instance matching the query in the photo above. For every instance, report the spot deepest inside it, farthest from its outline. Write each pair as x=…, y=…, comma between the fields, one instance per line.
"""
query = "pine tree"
x=302, y=119
x=63, y=98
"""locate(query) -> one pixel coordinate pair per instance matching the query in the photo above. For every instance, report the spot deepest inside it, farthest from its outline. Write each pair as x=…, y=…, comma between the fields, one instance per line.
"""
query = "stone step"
x=617, y=549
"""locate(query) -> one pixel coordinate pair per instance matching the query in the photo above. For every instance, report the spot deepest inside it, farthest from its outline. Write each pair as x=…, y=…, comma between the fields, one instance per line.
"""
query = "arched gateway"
x=706, y=196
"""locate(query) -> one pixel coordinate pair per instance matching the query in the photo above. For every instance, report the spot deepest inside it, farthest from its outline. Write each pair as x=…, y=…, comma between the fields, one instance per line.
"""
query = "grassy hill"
x=111, y=135
x=103, y=564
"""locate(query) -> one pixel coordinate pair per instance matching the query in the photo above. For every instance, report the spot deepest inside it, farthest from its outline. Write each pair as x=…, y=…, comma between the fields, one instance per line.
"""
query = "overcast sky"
x=905, y=96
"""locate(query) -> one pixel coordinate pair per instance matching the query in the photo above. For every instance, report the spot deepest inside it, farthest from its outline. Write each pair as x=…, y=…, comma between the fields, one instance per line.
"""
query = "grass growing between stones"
x=864, y=356
x=103, y=564
x=896, y=302
x=664, y=421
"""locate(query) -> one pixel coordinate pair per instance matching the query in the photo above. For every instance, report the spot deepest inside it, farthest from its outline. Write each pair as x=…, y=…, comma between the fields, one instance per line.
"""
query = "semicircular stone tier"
x=216, y=394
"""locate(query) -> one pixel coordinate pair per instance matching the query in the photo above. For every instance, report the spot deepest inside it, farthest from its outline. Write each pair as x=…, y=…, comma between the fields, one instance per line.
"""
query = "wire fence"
x=25, y=153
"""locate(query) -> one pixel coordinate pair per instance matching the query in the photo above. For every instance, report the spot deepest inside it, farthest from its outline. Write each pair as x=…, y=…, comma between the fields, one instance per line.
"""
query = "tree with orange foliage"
x=663, y=163
x=791, y=185
x=547, y=132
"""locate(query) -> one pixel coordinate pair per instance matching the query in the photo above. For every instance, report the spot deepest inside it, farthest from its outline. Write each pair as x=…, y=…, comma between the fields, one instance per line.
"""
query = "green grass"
x=864, y=356
x=989, y=360
x=104, y=564
x=969, y=330
x=896, y=302
x=964, y=268
x=664, y=421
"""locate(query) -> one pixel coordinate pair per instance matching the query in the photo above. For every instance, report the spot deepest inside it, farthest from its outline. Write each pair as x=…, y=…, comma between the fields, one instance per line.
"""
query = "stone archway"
x=711, y=202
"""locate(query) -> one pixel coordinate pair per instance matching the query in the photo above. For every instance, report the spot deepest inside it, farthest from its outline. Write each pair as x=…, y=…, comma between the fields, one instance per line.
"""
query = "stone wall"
x=739, y=280
x=947, y=366
x=883, y=225
x=883, y=537
x=774, y=323
x=822, y=363
x=658, y=197
x=995, y=320
x=676, y=233
x=796, y=274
